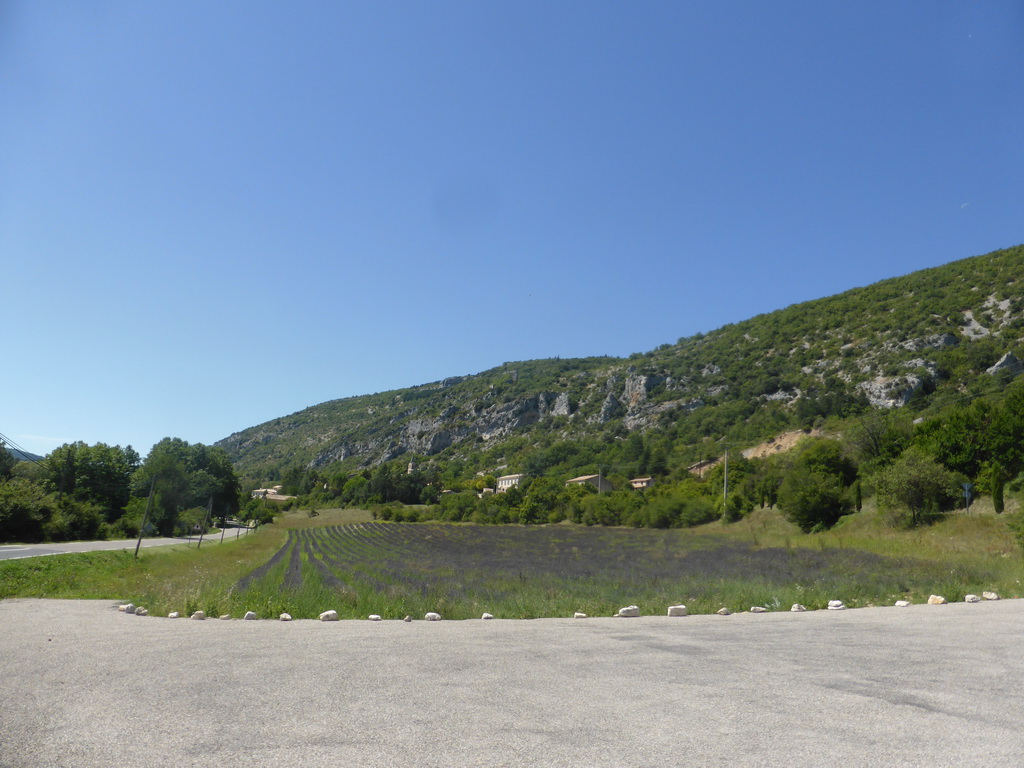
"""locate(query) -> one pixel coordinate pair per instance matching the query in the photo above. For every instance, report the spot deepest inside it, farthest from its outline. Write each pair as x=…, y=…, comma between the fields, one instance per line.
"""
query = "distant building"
x=508, y=481
x=271, y=494
x=595, y=480
x=640, y=483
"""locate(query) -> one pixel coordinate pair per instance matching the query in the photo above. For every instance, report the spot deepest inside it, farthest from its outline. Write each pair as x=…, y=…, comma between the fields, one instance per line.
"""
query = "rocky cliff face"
x=884, y=345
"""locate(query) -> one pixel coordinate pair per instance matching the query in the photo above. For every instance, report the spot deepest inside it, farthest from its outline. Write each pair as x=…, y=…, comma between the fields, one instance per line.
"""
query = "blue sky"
x=216, y=213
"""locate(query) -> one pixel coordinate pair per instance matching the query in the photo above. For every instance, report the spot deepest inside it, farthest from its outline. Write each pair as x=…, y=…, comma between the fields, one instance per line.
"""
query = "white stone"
x=936, y=600
x=285, y=617
x=374, y=617
x=972, y=599
x=487, y=616
x=724, y=612
x=141, y=612
x=130, y=608
x=225, y=617
x=122, y=608
x=329, y=616
x=249, y=615
x=198, y=615
x=836, y=605
x=579, y=615
x=173, y=615
x=629, y=612
x=677, y=610
x=902, y=603
x=797, y=608
x=431, y=616
x=758, y=609
x=990, y=595
x=407, y=618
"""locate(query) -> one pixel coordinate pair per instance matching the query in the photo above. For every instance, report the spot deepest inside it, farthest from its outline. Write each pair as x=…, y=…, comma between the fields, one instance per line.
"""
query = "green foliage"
x=996, y=488
x=7, y=462
x=99, y=475
x=25, y=509
x=1016, y=525
x=75, y=521
x=676, y=509
x=797, y=367
x=813, y=501
x=918, y=485
x=187, y=476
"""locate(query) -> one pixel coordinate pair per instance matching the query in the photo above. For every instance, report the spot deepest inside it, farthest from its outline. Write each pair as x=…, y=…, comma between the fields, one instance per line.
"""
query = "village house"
x=508, y=481
x=272, y=494
x=641, y=483
x=597, y=481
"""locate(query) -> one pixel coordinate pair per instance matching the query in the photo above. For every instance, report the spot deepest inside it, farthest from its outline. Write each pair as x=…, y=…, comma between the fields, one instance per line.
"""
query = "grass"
x=342, y=560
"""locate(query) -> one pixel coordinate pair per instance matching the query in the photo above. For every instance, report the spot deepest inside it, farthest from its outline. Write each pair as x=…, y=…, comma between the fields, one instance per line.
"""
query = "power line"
x=26, y=456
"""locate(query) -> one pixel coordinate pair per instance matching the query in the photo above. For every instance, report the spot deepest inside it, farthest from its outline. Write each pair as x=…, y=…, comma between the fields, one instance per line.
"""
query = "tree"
x=997, y=481
x=812, y=500
x=880, y=437
x=99, y=475
x=187, y=476
x=24, y=509
x=918, y=484
x=827, y=457
x=7, y=461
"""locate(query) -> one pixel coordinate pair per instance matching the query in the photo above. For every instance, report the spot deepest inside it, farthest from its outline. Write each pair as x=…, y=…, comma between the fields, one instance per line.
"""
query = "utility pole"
x=145, y=516
x=209, y=509
x=725, y=491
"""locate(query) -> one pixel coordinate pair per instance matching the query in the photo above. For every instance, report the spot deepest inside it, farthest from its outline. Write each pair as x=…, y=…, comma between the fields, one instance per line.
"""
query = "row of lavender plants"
x=394, y=570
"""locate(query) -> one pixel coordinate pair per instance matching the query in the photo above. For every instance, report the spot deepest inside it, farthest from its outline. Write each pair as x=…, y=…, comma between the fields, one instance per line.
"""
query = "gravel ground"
x=85, y=685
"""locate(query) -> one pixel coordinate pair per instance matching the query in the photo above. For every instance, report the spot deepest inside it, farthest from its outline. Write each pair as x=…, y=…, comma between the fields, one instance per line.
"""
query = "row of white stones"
x=833, y=605
x=629, y=611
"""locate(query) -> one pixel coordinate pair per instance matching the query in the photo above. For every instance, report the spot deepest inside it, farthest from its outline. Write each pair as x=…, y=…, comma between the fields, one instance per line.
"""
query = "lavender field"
x=461, y=571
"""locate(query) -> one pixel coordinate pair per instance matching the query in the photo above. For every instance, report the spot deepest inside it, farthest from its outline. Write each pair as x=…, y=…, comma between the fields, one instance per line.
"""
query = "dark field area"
x=525, y=572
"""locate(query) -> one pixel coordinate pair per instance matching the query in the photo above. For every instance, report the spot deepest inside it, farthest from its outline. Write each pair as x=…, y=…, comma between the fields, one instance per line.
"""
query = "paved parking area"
x=85, y=685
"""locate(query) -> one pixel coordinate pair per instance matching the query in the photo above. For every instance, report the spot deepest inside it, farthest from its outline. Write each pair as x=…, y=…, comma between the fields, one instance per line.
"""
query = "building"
x=597, y=481
x=271, y=494
x=508, y=481
x=640, y=483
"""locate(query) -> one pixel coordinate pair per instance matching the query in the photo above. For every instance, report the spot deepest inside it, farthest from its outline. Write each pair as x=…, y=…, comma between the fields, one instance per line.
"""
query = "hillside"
x=920, y=341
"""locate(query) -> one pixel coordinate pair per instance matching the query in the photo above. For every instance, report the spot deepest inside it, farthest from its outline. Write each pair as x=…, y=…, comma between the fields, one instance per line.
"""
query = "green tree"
x=98, y=474
x=187, y=476
x=7, y=461
x=917, y=484
x=997, y=481
x=812, y=500
x=25, y=508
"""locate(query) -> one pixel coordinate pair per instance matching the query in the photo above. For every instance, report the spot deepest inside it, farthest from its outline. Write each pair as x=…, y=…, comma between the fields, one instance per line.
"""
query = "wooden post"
x=209, y=509
x=145, y=516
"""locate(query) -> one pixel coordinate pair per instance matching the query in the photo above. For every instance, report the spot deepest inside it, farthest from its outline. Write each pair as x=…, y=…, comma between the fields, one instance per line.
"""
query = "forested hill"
x=922, y=342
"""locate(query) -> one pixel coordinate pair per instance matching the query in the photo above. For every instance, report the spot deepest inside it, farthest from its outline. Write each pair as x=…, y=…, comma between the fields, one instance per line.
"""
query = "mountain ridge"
x=904, y=341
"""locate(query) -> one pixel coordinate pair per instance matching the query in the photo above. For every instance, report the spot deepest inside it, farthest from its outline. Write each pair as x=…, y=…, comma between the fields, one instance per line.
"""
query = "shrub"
x=74, y=521
x=1016, y=526
x=811, y=500
x=917, y=484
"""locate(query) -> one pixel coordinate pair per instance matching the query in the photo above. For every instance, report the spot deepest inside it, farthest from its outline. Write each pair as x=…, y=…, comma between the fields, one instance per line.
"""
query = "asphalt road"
x=84, y=685
x=18, y=551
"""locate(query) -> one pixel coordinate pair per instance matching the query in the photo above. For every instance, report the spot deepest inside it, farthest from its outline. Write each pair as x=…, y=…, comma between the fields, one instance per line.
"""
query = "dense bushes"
x=30, y=514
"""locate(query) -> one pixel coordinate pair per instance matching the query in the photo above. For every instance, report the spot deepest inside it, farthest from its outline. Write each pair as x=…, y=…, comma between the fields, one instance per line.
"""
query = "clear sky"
x=216, y=213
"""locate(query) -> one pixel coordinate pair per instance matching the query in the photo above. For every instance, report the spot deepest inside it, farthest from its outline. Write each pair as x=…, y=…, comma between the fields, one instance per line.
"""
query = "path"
x=18, y=551
x=85, y=685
